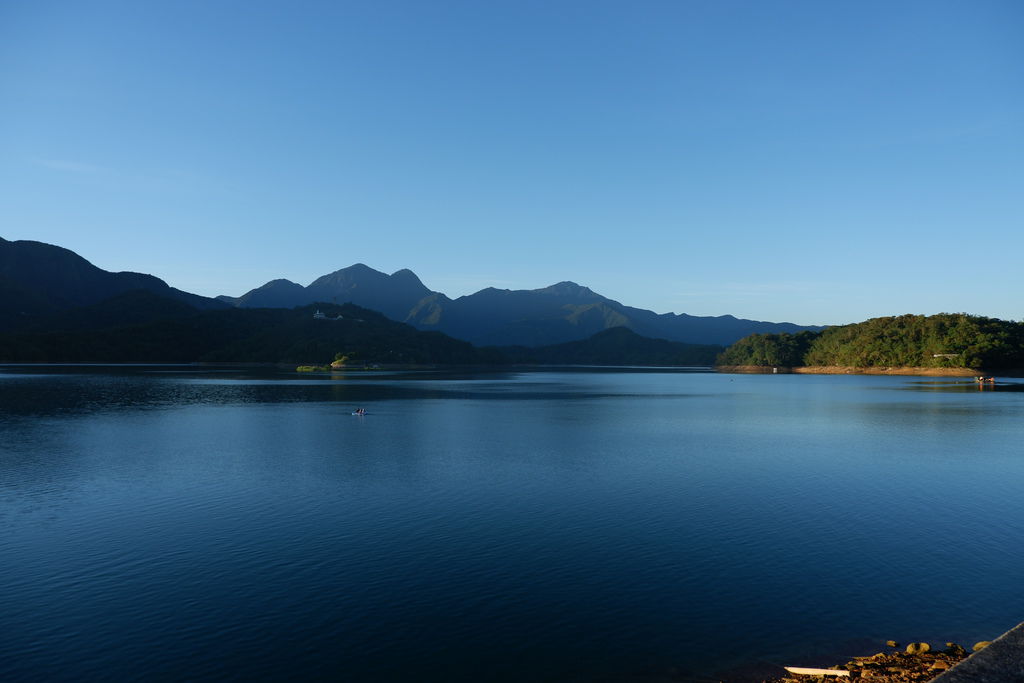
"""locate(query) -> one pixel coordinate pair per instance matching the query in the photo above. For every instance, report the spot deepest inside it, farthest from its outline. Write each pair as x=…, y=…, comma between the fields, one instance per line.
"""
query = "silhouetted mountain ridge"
x=38, y=280
x=562, y=312
x=393, y=295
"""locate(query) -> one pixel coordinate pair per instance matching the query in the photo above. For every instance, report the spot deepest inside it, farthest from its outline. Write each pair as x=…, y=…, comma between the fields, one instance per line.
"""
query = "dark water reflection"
x=573, y=525
x=97, y=388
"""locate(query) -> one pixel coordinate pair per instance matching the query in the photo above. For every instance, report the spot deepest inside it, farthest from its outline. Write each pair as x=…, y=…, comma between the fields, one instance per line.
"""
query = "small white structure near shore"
x=320, y=316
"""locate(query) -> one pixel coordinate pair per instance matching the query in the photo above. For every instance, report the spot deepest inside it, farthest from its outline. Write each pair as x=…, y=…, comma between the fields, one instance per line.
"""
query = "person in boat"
x=360, y=411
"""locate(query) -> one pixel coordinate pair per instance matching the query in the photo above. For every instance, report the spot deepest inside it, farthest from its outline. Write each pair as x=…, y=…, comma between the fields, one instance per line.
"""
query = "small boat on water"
x=816, y=672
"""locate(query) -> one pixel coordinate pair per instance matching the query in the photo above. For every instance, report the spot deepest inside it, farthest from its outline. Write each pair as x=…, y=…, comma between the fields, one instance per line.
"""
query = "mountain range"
x=563, y=312
x=47, y=287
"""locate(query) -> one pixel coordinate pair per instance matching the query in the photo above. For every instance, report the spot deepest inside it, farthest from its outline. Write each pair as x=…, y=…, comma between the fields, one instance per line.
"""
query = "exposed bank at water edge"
x=848, y=370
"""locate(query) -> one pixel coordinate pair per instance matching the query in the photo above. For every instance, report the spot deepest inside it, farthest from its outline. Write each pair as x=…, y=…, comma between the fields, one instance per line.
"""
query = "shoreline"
x=920, y=662
x=847, y=370
x=488, y=367
x=888, y=662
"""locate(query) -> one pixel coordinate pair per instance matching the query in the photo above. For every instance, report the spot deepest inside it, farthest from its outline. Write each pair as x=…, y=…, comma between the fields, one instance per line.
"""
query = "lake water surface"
x=167, y=523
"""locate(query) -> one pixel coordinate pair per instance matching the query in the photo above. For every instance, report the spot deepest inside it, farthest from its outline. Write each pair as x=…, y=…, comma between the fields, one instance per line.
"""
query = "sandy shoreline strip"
x=847, y=370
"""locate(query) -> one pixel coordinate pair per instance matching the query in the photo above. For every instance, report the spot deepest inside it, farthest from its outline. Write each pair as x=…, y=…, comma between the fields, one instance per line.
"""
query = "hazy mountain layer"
x=393, y=295
x=557, y=314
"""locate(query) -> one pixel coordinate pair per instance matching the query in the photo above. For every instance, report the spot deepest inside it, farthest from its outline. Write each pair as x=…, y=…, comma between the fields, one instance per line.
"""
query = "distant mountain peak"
x=558, y=313
x=407, y=276
x=570, y=289
x=394, y=295
x=356, y=270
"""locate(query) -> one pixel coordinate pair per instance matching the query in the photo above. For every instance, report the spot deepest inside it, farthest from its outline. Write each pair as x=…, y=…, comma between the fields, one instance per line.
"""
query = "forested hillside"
x=140, y=327
x=153, y=329
x=617, y=346
x=946, y=340
x=38, y=280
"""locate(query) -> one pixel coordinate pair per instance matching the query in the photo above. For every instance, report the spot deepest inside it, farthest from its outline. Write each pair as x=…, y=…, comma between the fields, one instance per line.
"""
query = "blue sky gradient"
x=814, y=162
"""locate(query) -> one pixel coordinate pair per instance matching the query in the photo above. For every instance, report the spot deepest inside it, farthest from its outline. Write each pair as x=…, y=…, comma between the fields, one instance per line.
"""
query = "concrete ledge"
x=1000, y=662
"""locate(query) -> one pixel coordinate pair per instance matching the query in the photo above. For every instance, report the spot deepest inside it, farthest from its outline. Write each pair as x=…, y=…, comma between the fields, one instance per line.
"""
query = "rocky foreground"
x=917, y=663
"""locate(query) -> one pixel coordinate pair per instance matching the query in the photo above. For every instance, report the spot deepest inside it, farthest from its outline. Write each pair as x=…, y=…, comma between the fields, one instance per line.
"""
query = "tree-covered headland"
x=946, y=340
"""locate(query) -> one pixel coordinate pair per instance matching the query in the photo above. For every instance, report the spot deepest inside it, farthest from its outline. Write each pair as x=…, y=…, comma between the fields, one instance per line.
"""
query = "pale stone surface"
x=1001, y=662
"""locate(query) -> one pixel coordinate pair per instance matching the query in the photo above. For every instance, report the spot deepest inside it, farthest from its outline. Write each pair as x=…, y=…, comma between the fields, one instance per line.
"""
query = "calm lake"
x=175, y=523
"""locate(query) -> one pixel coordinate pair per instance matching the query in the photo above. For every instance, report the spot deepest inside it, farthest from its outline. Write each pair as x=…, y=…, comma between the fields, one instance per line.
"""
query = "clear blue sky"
x=800, y=160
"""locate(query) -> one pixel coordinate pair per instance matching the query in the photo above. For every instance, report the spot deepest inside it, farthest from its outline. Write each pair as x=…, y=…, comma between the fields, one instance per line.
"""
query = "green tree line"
x=945, y=340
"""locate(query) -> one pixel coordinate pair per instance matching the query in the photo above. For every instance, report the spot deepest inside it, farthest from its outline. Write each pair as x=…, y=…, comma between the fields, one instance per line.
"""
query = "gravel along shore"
x=916, y=663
